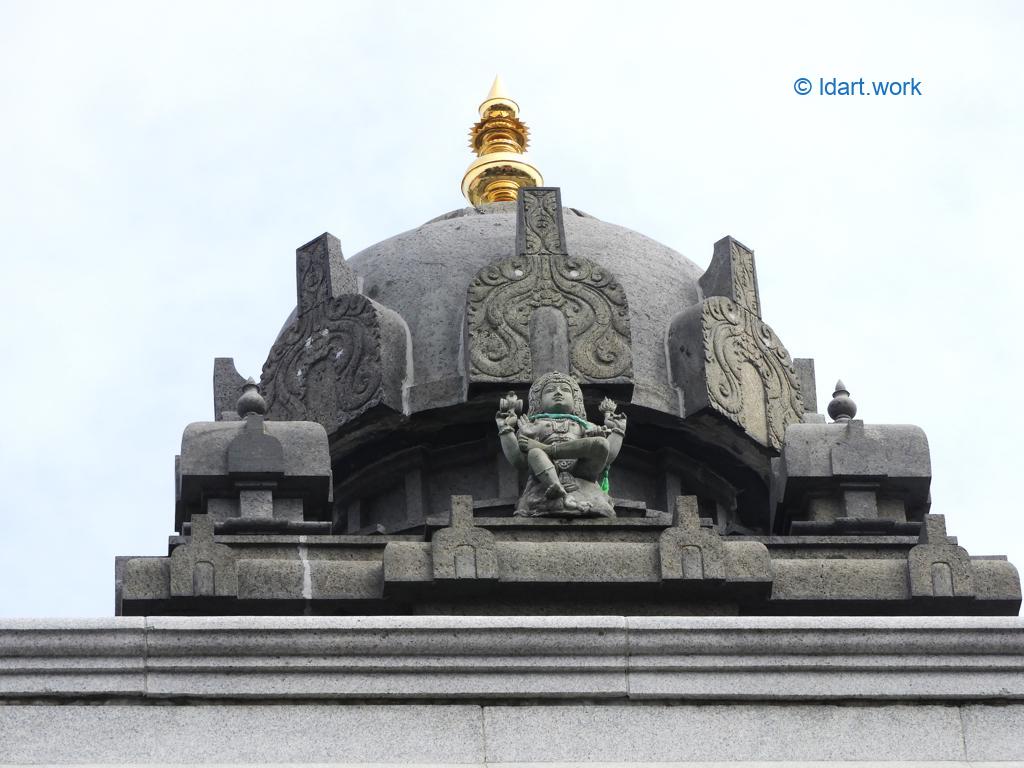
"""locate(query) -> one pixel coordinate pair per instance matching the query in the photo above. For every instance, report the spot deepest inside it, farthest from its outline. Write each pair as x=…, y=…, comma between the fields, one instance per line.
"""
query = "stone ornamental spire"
x=251, y=401
x=499, y=140
x=842, y=407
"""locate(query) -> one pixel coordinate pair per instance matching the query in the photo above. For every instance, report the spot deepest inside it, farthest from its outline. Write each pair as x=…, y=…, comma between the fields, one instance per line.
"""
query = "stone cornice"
x=515, y=658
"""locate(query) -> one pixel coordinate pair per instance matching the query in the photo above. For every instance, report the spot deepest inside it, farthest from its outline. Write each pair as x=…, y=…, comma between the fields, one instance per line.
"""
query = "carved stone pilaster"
x=341, y=355
x=689, y=552
x=321, y=273
x=463, y=551
x=804, y=367
x=504, y=297
x=227, y=387
x=540, y=229
x=203, y=568
x=937, y=567
x=732, y=274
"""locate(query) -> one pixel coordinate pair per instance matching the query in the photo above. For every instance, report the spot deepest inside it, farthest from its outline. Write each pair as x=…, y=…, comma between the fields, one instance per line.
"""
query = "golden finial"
x=499, y=141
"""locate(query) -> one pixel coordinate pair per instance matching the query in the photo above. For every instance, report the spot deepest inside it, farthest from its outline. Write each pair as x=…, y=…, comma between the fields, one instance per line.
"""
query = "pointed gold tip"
x=497, y=90
x=498, y=96
x=499, y=140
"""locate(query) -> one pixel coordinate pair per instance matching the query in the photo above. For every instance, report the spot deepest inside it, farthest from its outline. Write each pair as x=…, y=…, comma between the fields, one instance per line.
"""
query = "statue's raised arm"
x=615, y=425
x=509, y=414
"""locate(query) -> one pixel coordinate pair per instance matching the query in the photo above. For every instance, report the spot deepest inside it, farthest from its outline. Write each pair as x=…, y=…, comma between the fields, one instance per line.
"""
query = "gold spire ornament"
x=499, y=141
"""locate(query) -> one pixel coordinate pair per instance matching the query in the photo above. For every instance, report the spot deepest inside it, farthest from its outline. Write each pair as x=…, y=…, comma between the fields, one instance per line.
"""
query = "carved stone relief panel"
x=725, y=358
x=736, y=344
x=504, y=296
x=327, y=366
x=334, y=361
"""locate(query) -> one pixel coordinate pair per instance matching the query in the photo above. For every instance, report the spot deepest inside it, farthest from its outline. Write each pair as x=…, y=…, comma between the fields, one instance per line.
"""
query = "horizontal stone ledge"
x=389, y=636
x=509, y=658
x=120, y=637
x=825, y=636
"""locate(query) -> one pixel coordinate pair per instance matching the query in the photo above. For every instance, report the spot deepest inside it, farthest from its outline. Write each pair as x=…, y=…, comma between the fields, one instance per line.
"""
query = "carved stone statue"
x=567, y=456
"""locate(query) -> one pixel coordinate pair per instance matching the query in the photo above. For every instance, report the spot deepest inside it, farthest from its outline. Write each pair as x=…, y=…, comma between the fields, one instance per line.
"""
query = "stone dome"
x=423, y=275
x=403, y=351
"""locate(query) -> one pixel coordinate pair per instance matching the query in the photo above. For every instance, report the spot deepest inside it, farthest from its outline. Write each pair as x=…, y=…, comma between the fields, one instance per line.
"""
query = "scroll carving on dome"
x=326, y=367
x=736, y=342
x=725, y=358
x=587, y=303
x=329, y=365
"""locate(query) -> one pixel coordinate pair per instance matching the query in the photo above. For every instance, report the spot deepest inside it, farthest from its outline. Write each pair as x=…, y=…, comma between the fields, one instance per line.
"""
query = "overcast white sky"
x=160, y=162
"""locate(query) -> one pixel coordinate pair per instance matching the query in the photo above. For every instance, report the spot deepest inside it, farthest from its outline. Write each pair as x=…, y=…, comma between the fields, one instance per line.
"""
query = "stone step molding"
x=508, y=658
x=513, y=691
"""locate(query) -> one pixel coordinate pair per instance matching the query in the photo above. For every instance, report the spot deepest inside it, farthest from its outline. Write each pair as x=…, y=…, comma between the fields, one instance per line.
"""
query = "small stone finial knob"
x=251, y=402
x=841, y=408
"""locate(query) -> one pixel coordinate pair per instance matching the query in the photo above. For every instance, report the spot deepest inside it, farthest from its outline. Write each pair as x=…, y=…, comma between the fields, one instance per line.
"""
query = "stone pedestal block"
x=851, y=477
x=253, y=468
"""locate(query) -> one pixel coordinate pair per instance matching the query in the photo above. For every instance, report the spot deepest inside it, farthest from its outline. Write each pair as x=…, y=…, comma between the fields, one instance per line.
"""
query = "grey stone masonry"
x=253, y=468
x=808, y=386
x=511, y=690
x=470, y=563
x=515, y=657
x=853, y=477
x=385, y=464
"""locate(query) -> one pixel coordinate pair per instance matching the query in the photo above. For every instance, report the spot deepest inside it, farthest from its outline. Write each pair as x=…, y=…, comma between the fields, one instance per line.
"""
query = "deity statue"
x=567, y=456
